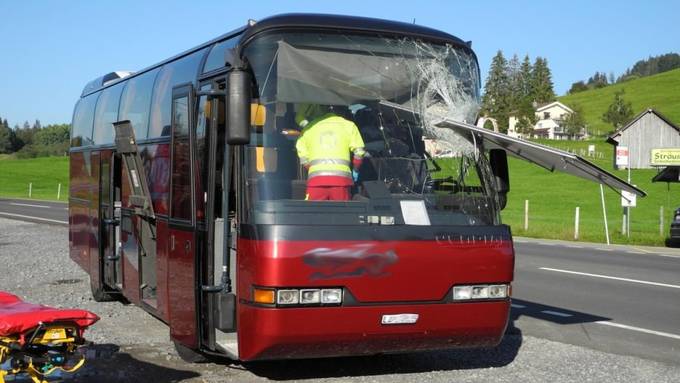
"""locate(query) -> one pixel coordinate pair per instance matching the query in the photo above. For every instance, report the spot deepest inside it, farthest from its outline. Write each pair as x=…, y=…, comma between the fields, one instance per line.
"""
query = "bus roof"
x=348, y=23
x=301, y=21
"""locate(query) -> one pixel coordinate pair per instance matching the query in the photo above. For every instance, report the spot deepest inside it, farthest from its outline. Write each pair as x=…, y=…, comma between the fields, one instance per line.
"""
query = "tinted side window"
x=181, y=167
x=105, y=114
x=134, y=104
x=83, y=117
x=219, y=55
x=174, y=73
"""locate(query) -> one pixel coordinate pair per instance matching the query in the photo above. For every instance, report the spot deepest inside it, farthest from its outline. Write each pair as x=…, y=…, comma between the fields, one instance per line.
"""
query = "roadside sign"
x=621, y=156
x=628, y=199
x=665, y=157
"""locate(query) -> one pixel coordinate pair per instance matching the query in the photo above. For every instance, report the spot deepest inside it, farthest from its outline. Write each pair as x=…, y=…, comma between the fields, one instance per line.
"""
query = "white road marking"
x=639, y=329
x=30, y=205
x=556, y=313
x=517, y=306
x=35, y=218
x=609, y=277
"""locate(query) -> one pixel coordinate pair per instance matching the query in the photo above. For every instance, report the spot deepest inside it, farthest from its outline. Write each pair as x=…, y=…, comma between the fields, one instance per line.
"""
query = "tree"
x=619, y=111
x=497, y=94
x=598, y=80
x=524, y=102
x=6, y=139
x=541, y=82
x=574, y=123
x=578, y=86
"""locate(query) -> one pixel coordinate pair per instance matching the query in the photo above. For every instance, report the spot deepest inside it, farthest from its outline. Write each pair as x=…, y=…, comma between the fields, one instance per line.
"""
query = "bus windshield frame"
x=412, y=173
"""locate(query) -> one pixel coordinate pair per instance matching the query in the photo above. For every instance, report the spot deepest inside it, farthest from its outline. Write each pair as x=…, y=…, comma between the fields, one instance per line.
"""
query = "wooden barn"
x=648, y=130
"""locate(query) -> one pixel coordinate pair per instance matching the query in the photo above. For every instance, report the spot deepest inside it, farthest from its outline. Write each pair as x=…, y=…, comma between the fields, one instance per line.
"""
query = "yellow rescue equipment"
x=39, y=340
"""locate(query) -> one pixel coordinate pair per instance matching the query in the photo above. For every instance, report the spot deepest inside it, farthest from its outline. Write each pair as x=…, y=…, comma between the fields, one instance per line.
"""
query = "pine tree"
x=525, y=74
x=524, y=108
x=619, y=111
x=514, y=77
x=542, y=85
x=6, y=140
x=496, y=99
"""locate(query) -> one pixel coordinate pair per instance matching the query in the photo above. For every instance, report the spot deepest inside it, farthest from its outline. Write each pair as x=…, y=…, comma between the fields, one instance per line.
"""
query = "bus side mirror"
x=499, y=166
x=238, y=107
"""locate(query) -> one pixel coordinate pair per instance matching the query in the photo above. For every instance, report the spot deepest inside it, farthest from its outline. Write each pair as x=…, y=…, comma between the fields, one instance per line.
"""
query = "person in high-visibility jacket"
x=324, y=148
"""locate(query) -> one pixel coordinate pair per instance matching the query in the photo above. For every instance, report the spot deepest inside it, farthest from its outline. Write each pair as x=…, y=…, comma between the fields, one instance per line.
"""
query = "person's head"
x=307, y=112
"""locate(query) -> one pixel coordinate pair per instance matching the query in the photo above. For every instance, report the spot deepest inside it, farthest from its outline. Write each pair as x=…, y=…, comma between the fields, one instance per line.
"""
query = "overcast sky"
x=50, y=49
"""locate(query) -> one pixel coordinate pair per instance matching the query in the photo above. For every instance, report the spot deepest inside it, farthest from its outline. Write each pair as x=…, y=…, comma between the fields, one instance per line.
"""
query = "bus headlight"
x=287, y=297
x=310, y=296
x=480, y=292
x=297, y=297
x=331, y=296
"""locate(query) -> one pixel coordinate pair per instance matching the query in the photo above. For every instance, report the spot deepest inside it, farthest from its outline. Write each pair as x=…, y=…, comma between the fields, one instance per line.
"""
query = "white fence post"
x=59, y=192
x=30, y=189
x=576, y=219
x=526, y=214
x=604, y=213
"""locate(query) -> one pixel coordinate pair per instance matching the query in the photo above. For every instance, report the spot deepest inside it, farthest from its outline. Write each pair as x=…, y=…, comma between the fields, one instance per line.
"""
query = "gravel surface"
x=132, y=346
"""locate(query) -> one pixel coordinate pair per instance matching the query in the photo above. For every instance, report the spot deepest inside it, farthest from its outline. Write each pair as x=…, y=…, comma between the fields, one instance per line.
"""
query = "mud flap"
x=224, y=314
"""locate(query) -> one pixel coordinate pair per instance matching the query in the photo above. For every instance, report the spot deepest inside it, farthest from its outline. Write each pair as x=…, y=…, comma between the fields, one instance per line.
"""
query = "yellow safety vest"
x=325, y=146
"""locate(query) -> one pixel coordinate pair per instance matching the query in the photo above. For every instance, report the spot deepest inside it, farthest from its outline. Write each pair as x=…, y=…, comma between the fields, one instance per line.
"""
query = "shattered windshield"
x=329, y=147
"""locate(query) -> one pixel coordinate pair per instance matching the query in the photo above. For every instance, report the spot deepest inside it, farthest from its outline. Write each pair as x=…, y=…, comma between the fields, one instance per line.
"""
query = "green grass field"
x=659, y=92
x=45, y=173
x=553, y=198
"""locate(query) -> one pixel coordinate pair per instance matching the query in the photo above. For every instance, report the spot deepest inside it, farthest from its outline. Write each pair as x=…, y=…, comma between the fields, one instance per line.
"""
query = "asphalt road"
x=54, y=213
x=616, y=299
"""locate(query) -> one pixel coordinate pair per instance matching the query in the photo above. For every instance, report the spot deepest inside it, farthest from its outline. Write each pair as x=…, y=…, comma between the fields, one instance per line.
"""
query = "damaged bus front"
x=417, y=258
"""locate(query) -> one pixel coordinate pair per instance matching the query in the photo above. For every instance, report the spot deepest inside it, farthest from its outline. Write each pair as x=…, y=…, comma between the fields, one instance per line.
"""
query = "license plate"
x=399, y=319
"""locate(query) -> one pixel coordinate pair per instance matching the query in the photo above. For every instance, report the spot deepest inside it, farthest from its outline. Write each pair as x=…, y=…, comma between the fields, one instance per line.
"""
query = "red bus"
x=187, y=196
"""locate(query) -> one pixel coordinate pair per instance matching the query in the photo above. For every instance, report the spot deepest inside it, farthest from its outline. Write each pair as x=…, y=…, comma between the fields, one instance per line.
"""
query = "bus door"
x=182, y=262
x=138, y=223
x=110, y=207
x=218, y=303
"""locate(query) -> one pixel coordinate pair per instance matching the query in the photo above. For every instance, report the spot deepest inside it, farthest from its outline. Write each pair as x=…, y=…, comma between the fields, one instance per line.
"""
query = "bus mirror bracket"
x=499, y=166
x=238, y=107
x=211, y=93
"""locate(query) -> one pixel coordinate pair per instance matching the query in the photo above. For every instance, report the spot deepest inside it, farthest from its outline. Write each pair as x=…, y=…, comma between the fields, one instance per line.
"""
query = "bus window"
x=135, y=101
x=219, y=55
x=81, y=132
x=105, y=114
x=176, y=72
x=181, y=161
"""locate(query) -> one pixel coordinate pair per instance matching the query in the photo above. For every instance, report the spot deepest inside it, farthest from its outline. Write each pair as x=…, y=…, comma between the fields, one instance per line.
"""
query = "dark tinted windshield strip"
x=470, y=235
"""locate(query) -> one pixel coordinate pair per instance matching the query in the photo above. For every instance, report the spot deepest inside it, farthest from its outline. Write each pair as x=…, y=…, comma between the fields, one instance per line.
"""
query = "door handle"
x=172, y=242
x=187, y=245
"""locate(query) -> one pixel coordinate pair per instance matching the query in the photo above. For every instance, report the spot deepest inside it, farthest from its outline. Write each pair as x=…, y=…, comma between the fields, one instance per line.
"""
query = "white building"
x=549, y=124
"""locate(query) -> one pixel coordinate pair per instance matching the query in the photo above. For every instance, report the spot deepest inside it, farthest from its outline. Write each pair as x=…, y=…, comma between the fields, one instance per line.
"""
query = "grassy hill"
x=45, y=173
x=660, y=92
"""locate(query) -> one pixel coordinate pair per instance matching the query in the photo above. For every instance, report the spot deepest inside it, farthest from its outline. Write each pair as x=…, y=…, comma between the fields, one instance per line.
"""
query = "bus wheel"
x=188, y=355
x=100, y=295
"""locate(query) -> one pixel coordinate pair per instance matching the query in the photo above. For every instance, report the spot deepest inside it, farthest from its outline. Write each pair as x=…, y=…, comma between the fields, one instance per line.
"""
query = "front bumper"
x=271, y=333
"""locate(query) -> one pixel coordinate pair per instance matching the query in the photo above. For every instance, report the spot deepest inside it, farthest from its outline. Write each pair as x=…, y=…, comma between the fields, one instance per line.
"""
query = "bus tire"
x=188, y=355
x=100, y=295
